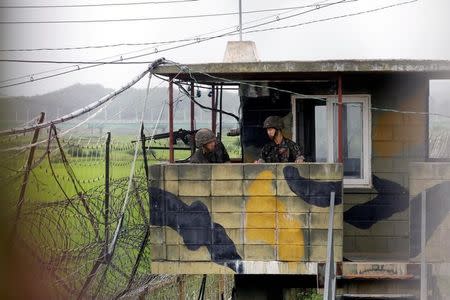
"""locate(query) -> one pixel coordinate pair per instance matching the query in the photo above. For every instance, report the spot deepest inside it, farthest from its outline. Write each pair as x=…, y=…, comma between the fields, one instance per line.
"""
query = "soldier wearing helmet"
x=279, y=149
x=209, y=150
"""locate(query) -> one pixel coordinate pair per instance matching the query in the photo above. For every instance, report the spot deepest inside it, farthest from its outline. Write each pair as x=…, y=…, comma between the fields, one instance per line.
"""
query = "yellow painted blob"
x=266, y=215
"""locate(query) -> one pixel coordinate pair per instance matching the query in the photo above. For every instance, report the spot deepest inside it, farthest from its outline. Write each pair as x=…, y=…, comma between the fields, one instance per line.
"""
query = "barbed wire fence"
x=64, y=191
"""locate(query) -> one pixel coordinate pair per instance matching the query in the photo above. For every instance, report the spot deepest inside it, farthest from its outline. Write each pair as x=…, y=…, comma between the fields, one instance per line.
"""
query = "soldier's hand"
x=300, y=159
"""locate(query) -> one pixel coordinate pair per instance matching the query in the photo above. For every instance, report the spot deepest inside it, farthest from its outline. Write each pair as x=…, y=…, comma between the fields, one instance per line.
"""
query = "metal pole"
x=330, y=274
x=192, y=116
x=107, y=194
x=27, y=174
x=220, y=113
x=340, y=141
x=423, y=244
x=192, y=107
x=240, y=20
x=213, y=111
x=144, y=152
x=171, y=140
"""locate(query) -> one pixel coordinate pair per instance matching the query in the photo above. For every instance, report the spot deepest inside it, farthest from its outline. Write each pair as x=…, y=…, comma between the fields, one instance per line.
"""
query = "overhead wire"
x=31, y=77
x=159, y=18
x=333, y=18
x=94, y=5
x=87, y=108
x=51, y=123
x=198, y=40
x=153, y=42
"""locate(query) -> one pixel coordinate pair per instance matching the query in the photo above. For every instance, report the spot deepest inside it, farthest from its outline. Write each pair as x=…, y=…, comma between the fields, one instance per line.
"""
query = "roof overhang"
x=288, y=70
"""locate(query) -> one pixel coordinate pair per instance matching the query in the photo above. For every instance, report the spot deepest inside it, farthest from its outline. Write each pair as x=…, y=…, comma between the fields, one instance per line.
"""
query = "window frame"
x=365, y=99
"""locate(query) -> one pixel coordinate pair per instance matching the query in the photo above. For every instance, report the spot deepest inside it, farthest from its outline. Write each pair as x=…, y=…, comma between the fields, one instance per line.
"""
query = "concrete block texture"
x=254, y=171
x=194, y=172
x=434, y=180
x=194, y=188
x=227, y=172
x=325, y=171
x=226, y=188
x=228, y=217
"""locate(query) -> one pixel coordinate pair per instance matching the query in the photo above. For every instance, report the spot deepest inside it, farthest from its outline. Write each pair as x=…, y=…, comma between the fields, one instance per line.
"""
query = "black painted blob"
x=312, y=191
x=193, y=223
x=390, y=199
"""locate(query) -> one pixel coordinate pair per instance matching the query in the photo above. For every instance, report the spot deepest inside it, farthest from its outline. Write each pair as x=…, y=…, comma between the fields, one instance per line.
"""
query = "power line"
x=77, y=67
x=147, y=43
x=122, y=60
x=210, y=38
x=332, y=18
x=161, y=18
x=197, y=40
x=94, y=5
x=88, y=108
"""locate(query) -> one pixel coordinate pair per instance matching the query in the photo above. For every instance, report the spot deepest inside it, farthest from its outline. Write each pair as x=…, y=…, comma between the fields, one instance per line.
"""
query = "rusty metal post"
x=192, y=107
x=330, y=270
x=192, y=116
x=220, y=113
x=423, y=252
x=171, y=140
x=107, y=194
x=213, y=111
x=27, y=174
x=340, y=141
x=144, y=151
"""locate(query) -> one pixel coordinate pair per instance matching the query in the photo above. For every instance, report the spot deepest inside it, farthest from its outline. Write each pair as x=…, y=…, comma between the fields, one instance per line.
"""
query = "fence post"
x=181, y=287
x=221, y=287
x=144, y=152
x=107, y=195
x=26, y=175
x=330, y=272
x=423, y=244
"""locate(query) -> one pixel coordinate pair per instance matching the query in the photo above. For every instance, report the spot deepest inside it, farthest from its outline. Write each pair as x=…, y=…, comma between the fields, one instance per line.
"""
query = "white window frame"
x=366, y=180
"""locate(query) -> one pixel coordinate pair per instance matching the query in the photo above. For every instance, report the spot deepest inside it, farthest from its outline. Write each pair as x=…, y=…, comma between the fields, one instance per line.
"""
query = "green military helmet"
x=273, y=122
x=203, y=137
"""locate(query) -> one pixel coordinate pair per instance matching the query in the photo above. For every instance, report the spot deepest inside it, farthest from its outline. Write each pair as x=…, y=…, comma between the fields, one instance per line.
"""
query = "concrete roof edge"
x=320, y=66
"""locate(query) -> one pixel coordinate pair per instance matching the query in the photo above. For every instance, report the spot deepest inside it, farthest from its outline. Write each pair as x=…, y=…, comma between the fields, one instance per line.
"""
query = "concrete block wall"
x=434, y=179
x=243, y=218
x=376, y=220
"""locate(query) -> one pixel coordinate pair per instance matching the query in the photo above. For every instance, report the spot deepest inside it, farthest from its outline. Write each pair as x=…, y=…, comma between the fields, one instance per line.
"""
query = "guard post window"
x=438, y=120
x=315, y=126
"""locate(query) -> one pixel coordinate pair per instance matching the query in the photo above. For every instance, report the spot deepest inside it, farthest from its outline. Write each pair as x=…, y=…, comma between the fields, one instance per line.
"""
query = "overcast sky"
x=419, y=30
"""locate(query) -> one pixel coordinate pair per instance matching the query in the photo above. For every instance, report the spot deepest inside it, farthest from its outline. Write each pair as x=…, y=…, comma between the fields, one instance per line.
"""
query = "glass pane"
x=439, y=125
x=352, y=127
x=321, y=133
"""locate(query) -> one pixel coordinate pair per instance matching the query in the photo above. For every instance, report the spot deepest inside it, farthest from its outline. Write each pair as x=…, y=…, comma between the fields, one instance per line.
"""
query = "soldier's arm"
x=298, y=153
x=194, y=159
x=262, y=155
x=226, y=157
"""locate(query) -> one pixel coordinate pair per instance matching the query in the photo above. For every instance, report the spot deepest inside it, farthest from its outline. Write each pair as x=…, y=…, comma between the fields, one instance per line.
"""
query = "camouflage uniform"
x=219, y=155
x=286, y=151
